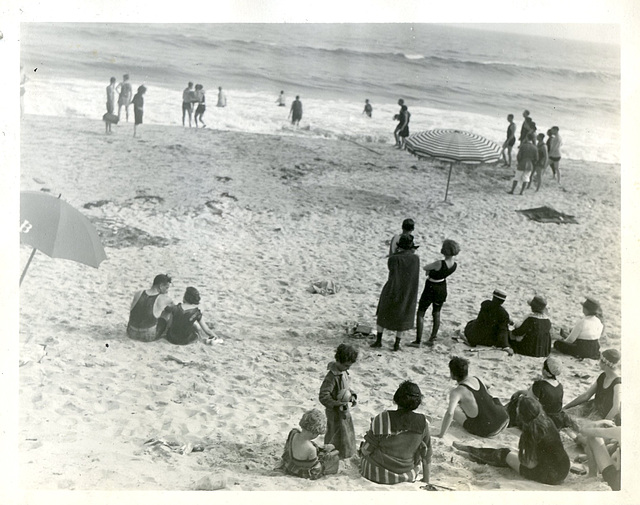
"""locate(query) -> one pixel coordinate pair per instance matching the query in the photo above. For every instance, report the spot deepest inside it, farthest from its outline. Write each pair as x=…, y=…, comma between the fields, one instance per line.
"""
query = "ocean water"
x=450, y=77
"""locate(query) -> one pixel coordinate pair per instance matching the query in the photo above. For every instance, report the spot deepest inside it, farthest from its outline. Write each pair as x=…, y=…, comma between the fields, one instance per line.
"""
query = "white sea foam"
x=257, y=112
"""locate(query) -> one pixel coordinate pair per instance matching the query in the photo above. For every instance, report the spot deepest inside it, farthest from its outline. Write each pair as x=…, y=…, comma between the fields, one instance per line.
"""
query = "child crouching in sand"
x=337, y=397
x=304, y=458
x=181, y=324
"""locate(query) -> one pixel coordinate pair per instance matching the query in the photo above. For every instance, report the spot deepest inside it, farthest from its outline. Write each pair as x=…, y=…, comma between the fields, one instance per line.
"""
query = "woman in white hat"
x=584, y=339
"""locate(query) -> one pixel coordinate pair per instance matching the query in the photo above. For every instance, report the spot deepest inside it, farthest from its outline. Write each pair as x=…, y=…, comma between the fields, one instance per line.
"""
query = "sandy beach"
x=252, y=221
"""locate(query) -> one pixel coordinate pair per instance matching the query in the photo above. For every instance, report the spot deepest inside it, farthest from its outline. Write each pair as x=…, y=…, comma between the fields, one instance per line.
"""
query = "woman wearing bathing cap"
x=605, y=391
x=548, y=390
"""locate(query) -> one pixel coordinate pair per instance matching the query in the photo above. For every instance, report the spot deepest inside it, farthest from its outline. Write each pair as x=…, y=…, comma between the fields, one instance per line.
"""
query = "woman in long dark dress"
x=541, y=456
x=399, y=297
x=533, y=336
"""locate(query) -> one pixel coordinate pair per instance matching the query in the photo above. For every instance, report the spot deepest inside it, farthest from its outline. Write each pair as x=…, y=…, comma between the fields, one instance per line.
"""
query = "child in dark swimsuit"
x=435, y=290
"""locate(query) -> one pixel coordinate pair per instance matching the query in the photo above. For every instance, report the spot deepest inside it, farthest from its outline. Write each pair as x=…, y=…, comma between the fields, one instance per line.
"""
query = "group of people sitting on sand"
x=154, y=316
x=398, y=444
x=493, y=327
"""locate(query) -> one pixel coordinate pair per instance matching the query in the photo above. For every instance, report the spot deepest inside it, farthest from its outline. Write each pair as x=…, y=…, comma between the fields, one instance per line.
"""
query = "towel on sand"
x=548, y=215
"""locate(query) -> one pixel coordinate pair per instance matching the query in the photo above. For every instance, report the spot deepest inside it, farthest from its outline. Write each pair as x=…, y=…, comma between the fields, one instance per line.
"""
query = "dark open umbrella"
x=52, y=226
x=453, y=146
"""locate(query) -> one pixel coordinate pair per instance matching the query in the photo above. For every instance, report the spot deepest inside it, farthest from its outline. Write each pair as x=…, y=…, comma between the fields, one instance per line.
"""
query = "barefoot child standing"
x=337, y=397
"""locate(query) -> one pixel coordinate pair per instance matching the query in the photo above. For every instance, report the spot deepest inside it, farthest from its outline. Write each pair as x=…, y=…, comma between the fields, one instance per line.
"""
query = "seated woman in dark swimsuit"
x=605, y=390
x=435, y=290
x=549, y=392
x=471, y=405
x=181, y=324
x=540, y=457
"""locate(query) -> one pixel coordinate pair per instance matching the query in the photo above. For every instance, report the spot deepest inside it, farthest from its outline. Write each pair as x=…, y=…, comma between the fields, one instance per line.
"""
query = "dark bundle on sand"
x=548, y=215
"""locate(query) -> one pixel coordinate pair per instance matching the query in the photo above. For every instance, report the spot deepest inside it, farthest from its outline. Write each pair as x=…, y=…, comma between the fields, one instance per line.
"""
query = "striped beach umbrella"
x=454, y=146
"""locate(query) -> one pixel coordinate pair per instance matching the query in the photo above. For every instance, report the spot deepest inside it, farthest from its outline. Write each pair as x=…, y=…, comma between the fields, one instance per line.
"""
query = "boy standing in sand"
x=337, y=398
x=138, y=107
x=111, y=99
x=199, y=96
x=527, y=158
x=554, y=151
x=125, y=92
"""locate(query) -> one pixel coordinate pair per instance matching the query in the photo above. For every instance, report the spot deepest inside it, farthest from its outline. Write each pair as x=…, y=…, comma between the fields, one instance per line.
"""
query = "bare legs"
x=126, y=110
x=506, y=151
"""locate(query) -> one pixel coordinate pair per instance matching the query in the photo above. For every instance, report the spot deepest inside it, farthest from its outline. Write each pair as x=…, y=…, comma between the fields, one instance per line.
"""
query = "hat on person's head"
x=499, y=294
x=553, y=366
x=591, y=305
x=406, y=242
x=538, y=303
x=408, y=224
x=610, y=357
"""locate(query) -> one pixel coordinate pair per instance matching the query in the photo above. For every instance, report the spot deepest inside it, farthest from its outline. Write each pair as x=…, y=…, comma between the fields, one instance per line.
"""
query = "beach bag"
x=110, y=118
x=330, y=459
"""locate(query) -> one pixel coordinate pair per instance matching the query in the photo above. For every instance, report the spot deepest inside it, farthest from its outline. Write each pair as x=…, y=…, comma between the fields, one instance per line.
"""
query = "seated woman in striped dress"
x=398, y=441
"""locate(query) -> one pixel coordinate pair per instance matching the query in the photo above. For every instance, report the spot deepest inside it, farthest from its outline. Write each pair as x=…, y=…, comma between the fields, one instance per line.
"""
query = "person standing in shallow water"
x=399, y=296
x=280, y=100
x=338, y=398
x=125, y=92
x=435, y=290
x=222, y=98
x=368, y=109
x=295, y=113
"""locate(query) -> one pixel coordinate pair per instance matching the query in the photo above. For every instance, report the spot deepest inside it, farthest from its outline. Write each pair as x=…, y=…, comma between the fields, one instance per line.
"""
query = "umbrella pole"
x=448, y=179
x=24, y=272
